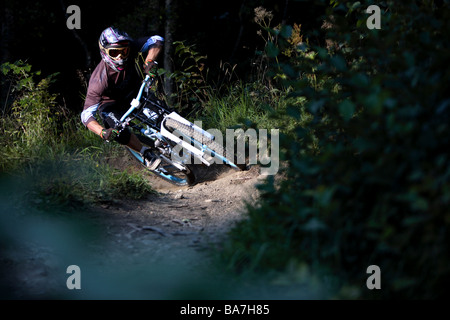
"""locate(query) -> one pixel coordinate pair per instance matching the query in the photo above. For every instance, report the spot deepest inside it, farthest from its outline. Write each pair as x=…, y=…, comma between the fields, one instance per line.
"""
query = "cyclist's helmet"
x=115, y=47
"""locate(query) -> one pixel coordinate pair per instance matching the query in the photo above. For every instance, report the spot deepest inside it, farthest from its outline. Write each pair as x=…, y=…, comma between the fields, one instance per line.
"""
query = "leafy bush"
x=47, y=148
x=189, y=78
x=376, y=189
x=29, y=115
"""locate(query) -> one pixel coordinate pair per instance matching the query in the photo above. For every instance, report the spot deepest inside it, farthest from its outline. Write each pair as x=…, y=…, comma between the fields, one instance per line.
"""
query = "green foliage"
x=376, y=189
x=30, y=115
x=189, y=77
x=239, y=104
x=59, y=160
x=71, y=181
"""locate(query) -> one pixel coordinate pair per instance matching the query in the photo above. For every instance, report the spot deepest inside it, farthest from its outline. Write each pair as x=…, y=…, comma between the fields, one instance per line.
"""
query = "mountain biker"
x=114, y=83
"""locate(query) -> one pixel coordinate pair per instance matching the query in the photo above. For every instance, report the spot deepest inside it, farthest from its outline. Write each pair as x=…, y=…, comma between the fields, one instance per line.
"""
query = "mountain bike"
x=178, y=142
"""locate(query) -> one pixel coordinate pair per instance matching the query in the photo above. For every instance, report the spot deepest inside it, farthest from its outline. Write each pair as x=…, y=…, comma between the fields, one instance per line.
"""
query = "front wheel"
x=177, y=174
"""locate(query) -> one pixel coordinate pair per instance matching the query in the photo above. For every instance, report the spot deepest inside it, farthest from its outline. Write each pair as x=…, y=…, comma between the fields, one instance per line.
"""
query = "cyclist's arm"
x=95, y=127
x=97, y=86
x=89, y=120
x=152, y=46
x=153, y=53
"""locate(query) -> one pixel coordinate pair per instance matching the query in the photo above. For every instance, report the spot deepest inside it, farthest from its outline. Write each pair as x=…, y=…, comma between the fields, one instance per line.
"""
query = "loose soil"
x=198, y=214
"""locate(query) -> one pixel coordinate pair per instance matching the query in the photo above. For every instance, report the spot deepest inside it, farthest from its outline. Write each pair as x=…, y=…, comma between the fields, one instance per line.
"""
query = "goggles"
x=116, y=53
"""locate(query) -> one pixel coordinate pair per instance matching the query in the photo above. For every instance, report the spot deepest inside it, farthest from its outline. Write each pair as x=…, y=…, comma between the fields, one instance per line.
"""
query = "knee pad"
x=124, y=136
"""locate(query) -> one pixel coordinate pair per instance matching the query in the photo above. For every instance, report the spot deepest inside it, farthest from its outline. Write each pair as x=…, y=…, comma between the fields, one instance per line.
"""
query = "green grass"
x=252, y=105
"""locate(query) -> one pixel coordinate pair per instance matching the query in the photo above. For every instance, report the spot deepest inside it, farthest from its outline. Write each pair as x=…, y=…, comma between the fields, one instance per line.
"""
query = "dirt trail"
x=179, y=218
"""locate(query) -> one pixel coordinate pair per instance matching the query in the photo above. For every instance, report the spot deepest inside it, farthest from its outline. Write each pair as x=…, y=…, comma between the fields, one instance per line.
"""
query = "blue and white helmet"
x=115, y=47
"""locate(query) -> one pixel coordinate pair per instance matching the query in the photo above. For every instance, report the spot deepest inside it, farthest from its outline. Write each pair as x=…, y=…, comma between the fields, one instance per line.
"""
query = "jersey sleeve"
x=97, y=86
x=144, y=44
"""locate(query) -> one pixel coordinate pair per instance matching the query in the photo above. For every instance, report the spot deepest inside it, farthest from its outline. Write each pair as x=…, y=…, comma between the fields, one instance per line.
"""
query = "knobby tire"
x=187, y=177
x=198, y=136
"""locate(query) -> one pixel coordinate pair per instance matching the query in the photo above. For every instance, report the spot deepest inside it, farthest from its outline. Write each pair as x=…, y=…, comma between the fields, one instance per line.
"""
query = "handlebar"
x=136, y=101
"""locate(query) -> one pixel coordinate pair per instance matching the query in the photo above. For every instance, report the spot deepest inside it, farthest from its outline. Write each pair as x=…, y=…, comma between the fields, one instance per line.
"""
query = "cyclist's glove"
x=151, y=68
x=109, y=134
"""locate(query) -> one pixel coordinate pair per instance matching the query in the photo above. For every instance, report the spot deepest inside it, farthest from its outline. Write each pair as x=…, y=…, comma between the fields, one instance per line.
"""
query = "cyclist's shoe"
x=151, y=160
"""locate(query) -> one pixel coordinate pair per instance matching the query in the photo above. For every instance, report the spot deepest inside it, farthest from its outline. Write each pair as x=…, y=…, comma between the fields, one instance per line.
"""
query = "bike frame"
x=196, y=148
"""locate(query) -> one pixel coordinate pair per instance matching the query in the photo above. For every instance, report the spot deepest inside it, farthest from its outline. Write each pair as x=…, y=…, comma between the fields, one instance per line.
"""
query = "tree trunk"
x=241, y=31
x=7, y=21
x=168, y=31
x=6, y=33
x=283, y=21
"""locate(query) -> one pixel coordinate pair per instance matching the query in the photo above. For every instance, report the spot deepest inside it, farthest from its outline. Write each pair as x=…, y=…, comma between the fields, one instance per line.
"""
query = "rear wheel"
x=217, y=148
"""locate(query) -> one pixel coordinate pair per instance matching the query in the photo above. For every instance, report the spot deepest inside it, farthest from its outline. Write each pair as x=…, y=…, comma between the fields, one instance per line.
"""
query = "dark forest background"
x=224, y=32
